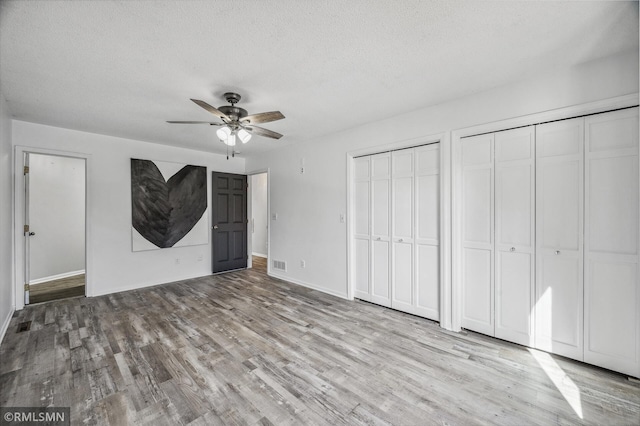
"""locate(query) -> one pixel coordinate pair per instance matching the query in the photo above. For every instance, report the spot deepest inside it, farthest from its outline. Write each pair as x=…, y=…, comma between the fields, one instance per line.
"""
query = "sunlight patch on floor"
x=560, y=379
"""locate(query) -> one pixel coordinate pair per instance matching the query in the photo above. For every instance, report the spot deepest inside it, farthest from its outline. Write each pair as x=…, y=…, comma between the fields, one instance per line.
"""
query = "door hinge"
x=26, y=287
x=26, y=229
x=26, y=169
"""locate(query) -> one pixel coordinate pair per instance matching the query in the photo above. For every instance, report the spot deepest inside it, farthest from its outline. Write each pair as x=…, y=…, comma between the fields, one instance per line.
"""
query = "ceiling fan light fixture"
x=223, y=133
x=231, y=140
x=244, y=136
x=226, y=135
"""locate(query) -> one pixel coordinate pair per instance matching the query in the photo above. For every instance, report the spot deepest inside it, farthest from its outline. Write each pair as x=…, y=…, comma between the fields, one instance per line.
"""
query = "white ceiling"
x=123, y=68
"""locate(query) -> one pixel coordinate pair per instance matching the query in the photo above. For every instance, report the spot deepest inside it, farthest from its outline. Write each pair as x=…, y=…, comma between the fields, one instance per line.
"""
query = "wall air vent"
x=280, y=265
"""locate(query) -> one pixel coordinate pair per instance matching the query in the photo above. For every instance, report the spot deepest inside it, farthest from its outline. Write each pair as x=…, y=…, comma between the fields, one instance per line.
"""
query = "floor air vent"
x=280, y=265
x=24, y=326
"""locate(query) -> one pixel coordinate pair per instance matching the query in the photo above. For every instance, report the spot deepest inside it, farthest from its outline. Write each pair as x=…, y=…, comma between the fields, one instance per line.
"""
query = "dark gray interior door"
x=229, y=201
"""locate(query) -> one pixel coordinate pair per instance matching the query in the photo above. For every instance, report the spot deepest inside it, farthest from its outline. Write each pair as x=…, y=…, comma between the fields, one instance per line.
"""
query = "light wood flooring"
x=259, y=263
x=57, y=289
x=243, y=348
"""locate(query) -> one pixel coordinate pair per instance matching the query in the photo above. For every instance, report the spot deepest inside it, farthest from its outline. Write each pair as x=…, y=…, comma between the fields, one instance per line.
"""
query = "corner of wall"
x=7, y=299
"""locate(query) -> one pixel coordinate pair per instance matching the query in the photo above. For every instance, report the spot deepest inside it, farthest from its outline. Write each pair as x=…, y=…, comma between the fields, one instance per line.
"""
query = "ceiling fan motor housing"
x=233, y=112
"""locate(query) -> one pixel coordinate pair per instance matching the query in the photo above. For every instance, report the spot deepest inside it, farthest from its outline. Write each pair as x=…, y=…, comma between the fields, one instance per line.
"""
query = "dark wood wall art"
x=168, y=202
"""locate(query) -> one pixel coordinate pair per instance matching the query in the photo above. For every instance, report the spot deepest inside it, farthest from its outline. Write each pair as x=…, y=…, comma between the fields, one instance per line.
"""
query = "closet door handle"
x=378, y=239
x=400, y=240
x=557, y=252
x=512, y=249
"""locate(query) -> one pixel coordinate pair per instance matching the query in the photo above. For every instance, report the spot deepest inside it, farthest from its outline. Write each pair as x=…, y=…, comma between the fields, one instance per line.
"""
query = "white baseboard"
x=56, y=277
x=311, y=286
x=259, y=254
x=5, y=323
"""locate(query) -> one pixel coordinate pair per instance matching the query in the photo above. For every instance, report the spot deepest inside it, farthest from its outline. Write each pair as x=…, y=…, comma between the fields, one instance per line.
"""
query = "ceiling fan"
x=236, y=122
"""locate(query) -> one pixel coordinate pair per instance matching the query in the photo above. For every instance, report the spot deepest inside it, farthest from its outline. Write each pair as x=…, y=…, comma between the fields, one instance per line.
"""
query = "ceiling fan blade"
x=263, y=132
x=196, y=122
x=263, y=117
x=211, y=109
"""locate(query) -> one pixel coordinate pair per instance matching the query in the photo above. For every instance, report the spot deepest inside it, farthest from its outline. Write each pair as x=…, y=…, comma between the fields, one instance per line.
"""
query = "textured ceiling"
x=123, y=68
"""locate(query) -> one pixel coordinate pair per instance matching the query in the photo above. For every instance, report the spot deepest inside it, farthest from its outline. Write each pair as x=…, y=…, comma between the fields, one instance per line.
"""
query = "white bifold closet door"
x=514, y=234
x=372, y=235
x=498, y=234
x=559, y=233
x=362, y=227
x=396, y=230
x=402, y=219
x=477, y=234
x=426, y=296
x=416, y=217
x=381, y=230
x=574, y=289
x=611, y=285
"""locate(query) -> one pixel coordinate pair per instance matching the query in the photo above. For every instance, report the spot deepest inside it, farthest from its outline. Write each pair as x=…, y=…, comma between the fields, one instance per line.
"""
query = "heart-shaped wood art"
x=165, y=211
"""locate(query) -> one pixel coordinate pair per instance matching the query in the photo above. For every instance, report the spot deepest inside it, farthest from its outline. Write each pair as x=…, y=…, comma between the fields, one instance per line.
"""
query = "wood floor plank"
x=244, y=348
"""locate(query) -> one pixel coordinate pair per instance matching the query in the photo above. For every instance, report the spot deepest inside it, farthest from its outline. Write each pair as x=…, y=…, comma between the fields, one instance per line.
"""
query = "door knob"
x=557, y=252
x=215, y=226
x=32, y=234
x=512, y=249
x=400, y=240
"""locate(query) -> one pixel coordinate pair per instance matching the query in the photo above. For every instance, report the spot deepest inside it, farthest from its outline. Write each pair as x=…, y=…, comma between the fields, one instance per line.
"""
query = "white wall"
x=111, y=264
x=259, y=221
x=308, y=205
x=6, y=230
x=56, y=215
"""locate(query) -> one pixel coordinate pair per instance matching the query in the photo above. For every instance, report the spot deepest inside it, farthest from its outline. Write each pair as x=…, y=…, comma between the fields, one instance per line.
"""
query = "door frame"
x=596, y=107
x=19, y=215
x=445, y=213
x=250, y=215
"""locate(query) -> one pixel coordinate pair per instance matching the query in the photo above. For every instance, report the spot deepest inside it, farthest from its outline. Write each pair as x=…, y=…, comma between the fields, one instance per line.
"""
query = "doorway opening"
x=55, y=227
x=259, y=222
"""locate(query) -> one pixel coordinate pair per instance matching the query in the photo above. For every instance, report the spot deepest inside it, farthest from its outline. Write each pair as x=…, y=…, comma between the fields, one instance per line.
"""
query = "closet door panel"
x=402, y=234
x=514, y=234
x=514, y=205
x=477, y=207
x=362, y=228
x=402, y=275
x=560, y=212
x=403, y=207
x=612, y=294
x=612, y=323
x=513, y=297
x=427, y=232
x=381, y=229
x=428, y=200
x=381, y=286
x=477, y=303
x=362, y=167
x=363, y=268
x=559, y=238
x=477, y=234
x=380, y=207
x=380, y=166
x=362, y=208
x=427, y=276
x=559, y=306
x=613, y=205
